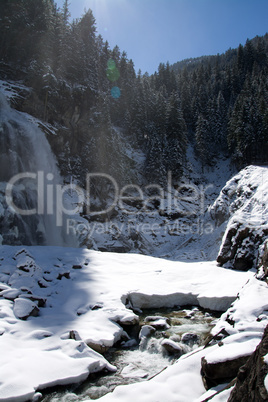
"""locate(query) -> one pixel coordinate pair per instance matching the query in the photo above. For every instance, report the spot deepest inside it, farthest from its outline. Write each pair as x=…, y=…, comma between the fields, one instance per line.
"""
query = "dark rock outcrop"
x=241, y=246
x=250, y=378
x=221, y=372
x=264, y=260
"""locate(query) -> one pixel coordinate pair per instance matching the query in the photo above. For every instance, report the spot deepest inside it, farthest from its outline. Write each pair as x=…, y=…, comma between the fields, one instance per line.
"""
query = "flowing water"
x=25, y=151
x=146, y=359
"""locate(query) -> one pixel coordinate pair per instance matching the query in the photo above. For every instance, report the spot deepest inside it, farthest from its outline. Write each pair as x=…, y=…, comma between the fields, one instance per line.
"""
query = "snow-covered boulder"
x=222, y=364
x=172, y=347
x=40, y=301
x=24, y=308
x=158, y=322
x=10, y=294
x=146, y=331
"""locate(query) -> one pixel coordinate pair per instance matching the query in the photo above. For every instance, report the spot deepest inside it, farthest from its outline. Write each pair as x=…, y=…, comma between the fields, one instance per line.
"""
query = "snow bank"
x=249, y=312
x=79, y=295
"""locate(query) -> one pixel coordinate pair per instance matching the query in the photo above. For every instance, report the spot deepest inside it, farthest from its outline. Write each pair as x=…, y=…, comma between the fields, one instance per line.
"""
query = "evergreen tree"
x=202, y=140
x=176, y=136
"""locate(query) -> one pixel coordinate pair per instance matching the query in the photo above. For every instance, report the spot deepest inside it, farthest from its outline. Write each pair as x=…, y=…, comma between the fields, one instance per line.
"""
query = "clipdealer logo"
x=186, y=199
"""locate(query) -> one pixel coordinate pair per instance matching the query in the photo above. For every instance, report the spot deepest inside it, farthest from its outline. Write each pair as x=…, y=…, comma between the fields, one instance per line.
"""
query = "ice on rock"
x=146, y=331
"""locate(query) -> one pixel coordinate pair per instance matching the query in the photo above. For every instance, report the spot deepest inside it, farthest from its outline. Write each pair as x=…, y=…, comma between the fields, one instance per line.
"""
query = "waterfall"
x=25, y=150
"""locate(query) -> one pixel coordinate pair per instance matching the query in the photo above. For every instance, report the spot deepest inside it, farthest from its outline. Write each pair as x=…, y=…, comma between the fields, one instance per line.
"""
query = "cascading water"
x=25, y=151
x=148, y=358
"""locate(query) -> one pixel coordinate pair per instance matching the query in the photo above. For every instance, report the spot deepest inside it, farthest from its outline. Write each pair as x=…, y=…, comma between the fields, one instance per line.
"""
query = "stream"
x=141, y=358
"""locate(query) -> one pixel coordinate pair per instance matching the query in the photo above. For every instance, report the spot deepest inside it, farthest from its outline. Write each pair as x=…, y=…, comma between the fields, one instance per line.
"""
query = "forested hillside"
x=95, y=101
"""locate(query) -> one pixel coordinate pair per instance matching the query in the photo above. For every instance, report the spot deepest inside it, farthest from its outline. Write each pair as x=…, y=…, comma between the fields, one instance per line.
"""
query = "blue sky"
x=154, y=31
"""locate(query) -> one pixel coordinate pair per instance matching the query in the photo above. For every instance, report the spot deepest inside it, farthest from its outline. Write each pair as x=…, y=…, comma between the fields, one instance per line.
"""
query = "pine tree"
x=202, y=140
x=176, y=136
x=221, y=123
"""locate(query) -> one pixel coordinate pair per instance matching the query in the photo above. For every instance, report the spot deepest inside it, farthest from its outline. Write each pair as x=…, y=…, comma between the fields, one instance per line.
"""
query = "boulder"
x=10, y=294
x=220, y=372
x=128, y=320
x=241, y=244
x=24, y=308
x=41, y=301
x=146, y=331
x=190, y=338
x=250, y=378
x=75, y=335
x=158, y=322
x=100, y=348
x=172, y=347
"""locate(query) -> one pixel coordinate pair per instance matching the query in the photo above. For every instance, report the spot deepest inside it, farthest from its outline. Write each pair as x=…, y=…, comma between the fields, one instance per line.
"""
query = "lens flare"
x=115, y=92
x=112, y=71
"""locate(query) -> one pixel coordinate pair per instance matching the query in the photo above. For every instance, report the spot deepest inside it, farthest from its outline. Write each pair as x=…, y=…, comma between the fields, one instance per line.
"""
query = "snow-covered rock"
x=24, y=308
x=10, y=294
x=158, y=322
x=224, y=361
x=146, y=331
x=172, y=347
x=243, y=202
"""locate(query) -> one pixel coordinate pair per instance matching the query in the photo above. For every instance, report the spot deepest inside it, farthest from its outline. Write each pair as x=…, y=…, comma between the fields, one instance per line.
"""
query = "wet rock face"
x=264, y=260
x=250, y=378
x=190, y=338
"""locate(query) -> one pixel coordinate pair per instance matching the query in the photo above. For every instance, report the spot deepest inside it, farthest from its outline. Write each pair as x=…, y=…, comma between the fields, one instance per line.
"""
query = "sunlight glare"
x=104, y=12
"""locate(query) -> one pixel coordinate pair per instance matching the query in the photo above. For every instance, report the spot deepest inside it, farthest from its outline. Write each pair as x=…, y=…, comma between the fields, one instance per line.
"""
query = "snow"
x=249, y=312
x=171, y=343
x=181, y=382
x=90, y=302
x=181, y=229
x=222, y=396
x=145, y=331
x=234, y=347
x=212, y=391
x=84, y=296
x=23, y=308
